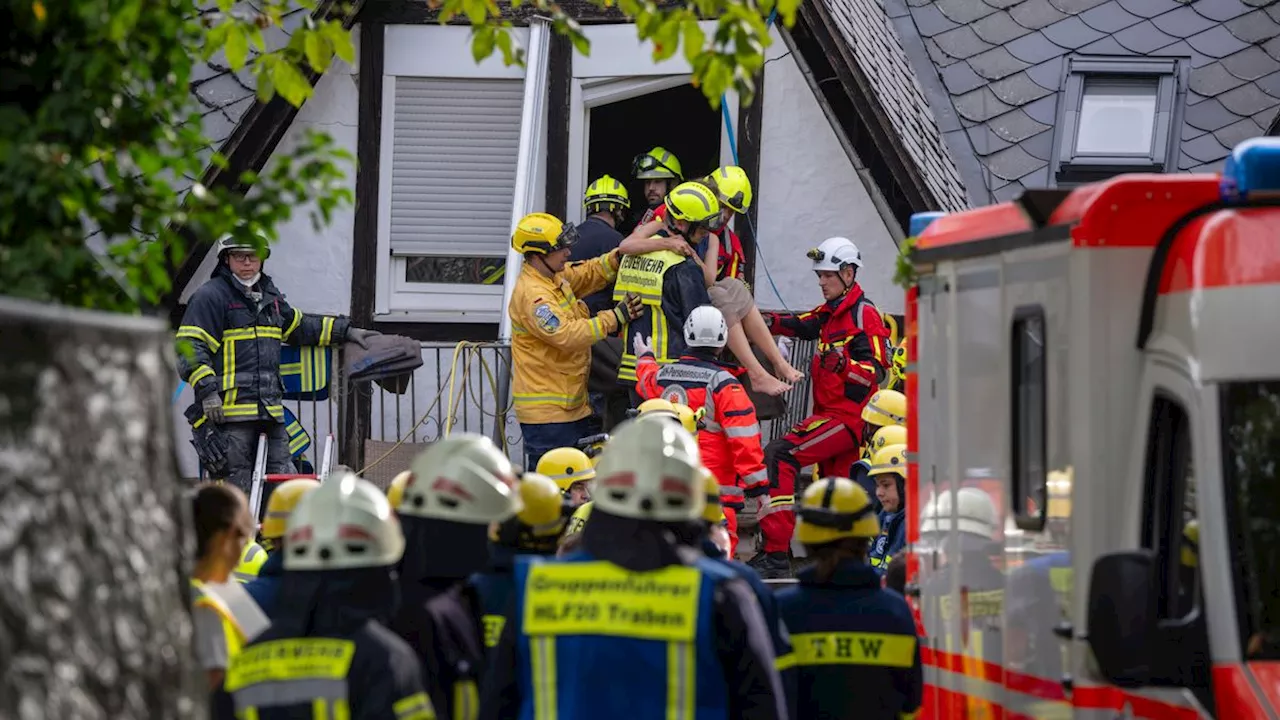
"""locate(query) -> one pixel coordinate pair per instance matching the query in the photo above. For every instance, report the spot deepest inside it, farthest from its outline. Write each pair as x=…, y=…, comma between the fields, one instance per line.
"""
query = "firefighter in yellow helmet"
x=898, y=369
x=885, y=408
x=889, y=473
x=534, y=530
x=606, y=203
x=669, y=284
x=571, y=470
x=266, y=586
x=873, y=669
x=604, y=657
x=660, y=170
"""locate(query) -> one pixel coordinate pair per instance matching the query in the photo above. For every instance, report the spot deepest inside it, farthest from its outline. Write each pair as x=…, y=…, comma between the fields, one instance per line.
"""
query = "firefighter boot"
x=772, y=566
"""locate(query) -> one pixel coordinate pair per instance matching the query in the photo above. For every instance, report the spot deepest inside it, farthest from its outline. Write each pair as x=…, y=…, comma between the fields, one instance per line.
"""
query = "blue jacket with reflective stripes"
x=495, y=586
x=856, y=650
x=617, y=676
x=893, y=536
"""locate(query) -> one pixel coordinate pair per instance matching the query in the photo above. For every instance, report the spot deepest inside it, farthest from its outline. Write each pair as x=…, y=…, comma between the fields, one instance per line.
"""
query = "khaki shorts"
x=732, y=299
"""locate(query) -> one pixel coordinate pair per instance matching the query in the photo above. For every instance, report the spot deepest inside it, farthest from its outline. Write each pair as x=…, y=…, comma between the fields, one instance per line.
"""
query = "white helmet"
x=650, y=470
x=227, y=243
x=975, y=513
x=345, y=523
x=834, y=253
x=705, y=327
x=463, y=478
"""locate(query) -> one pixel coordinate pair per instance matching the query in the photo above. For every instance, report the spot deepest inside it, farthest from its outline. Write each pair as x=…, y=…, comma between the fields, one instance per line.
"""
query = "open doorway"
x=677, y=118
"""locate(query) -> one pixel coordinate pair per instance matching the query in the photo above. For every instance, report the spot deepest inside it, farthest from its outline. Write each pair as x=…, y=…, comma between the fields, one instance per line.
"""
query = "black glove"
x=628, y=309
x=211, y=448
x=360, y=336
x=833, y=361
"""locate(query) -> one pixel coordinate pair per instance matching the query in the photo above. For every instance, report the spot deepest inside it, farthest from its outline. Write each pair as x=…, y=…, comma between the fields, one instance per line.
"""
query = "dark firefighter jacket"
x=741, y=641
x=327, y=655
x=730, y=442
x=235, y=344
x=670, y=286
x=494, y=588
x=439, y=612
x=265, y=588
x=856, y=650
x=893, y=536
x=852, y=335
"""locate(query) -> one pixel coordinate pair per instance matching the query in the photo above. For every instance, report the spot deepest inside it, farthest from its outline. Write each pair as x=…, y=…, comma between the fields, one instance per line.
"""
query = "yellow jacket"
x=551, y=337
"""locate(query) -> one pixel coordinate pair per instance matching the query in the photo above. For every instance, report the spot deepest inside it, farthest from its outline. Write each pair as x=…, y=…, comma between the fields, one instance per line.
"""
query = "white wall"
x=809, y=191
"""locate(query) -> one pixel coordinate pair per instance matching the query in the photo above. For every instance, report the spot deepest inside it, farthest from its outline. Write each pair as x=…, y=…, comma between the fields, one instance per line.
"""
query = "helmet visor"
x=646, y=163
x=734, y=201
x=568, y=237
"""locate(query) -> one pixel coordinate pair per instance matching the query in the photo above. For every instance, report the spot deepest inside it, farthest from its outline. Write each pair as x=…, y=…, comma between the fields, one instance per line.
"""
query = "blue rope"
x=733, y=151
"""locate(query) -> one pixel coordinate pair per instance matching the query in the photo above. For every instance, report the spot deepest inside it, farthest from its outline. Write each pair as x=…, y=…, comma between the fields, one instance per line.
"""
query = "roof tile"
x=1190, y=131
x=1220, y=10
x=1007, y=193
x=1272, y=47
x=1035, y=14
x=1183, y=22
x=1034, y=48
x=1270, y=84
x=1044, y=110
x=1075, y=7
x=1186, y=162
x=1250, y=63
x=1047, y=74
x=1267, y=117
x=1216, y=42
x=1109, y=18
x=1143, y=38
x=1017, y=90
x=996, y=63
x=1253, y=27
x=1148, y=8
x=1036, y=179
x=1181, y=49
x=897, y=9
x=1272, y=9
x=1246, y=100
x=1213, y=79
x=930, y=21
x=1002, y=4
x=939, y=58
x=1106, y=46
x=960, y=78
x=1013, y=162
x=1209, y=115
x=979, y=105
x=961, y=43
x=985, y=141
x=966, y=11
x=1205, y=148
x=1039, y=145
x=1238, y=132
x=998, y=28
x=1015, y=126
x=1071, y=33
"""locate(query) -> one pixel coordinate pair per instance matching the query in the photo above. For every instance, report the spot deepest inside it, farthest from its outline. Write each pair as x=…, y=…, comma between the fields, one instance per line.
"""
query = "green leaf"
x=266, y=86
x=290, y=83
x=214, y=41
x=340, y=38
x=482, y=43
x=694, y=38
x=237, y=46
x=317, y=49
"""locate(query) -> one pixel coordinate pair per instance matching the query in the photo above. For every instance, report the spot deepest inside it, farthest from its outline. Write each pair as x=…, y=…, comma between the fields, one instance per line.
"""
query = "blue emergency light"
x=1252, y=170
x=922, y=220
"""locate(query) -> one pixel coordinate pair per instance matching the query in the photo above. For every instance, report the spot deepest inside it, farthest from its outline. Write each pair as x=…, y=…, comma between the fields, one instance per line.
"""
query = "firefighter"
x=572, y=471
x=648, y=628
x=730, y=443
x=607, y=204
x=534, y=530
x=668, y=283
x=856, y=651
x=860, y=471
x=251, y=561
x=459, y=487
x=899, y=370
x=888, y=468
x=328, y=653
x=223, y=528
x=885, y=409
x=852, y=359
x=235, y=324
x=660, y=171
x=265, y=588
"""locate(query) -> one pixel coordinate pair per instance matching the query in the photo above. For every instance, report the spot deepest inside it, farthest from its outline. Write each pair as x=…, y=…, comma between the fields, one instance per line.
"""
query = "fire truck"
x=1094, y=437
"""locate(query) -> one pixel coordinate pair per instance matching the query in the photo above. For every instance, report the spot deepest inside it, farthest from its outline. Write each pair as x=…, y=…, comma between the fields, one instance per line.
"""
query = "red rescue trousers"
x=816, y=440
x=731, y=520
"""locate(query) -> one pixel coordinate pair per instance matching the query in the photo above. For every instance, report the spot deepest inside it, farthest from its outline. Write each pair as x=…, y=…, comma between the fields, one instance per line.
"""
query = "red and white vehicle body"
x=1115, y=348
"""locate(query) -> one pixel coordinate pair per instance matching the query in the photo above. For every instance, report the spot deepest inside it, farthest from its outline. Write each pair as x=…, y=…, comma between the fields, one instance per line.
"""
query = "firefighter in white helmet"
x=635, y=624
x=328, y=647
x=856, y=649
x=265, y=588
x=459, y=487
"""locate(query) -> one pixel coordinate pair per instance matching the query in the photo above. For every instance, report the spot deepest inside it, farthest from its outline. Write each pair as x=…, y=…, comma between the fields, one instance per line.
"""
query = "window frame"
x=1072, y=167
x=1017, y=477
x=1164, y=494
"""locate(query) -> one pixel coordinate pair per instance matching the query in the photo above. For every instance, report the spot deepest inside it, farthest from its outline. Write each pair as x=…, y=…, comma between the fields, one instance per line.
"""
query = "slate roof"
x=993, y=70
x=876, y=49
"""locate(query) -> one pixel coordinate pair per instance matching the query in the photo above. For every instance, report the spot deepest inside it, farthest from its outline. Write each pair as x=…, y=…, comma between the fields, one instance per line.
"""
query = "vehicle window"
x=1170, y=526
x=1250, y=455
x=1030, y=497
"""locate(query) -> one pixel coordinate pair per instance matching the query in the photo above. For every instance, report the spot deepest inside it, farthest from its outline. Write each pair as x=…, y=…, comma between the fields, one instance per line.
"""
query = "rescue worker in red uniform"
x=851, y=362
x=730, y=440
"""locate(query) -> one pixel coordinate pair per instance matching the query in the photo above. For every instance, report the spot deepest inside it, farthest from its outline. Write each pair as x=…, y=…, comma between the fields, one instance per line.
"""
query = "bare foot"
x=790, y=374
x=768, y=384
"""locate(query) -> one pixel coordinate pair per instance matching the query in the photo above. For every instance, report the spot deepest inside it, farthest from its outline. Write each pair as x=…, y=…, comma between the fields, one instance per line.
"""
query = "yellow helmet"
x=566, y=466
x=714, y=512
x=657, y=164
x=543, y=234
x=251, y=560
x=282, y=502
x=579, y=519
x=889, y=459
x=693, y=202
x=900, y=359
x=886, y=407
x=732, y=186
x=543, y=505
x=606, y=193
x=395, y=491
x=657, y=406
x=688, y=417
x=835, y=508
x=1191, y=544
x=888, y=435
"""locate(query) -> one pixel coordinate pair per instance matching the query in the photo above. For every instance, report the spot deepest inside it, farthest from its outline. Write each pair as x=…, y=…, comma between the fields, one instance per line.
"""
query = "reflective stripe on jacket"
x=853, y=326
x=551, y=337
x=202, y=597
x=730, y=440
x=235, y=344
x=671, y=286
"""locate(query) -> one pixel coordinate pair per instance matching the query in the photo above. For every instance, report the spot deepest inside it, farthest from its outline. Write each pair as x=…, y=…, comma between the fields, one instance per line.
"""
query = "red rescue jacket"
x=730, y=440
x=852, y=327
